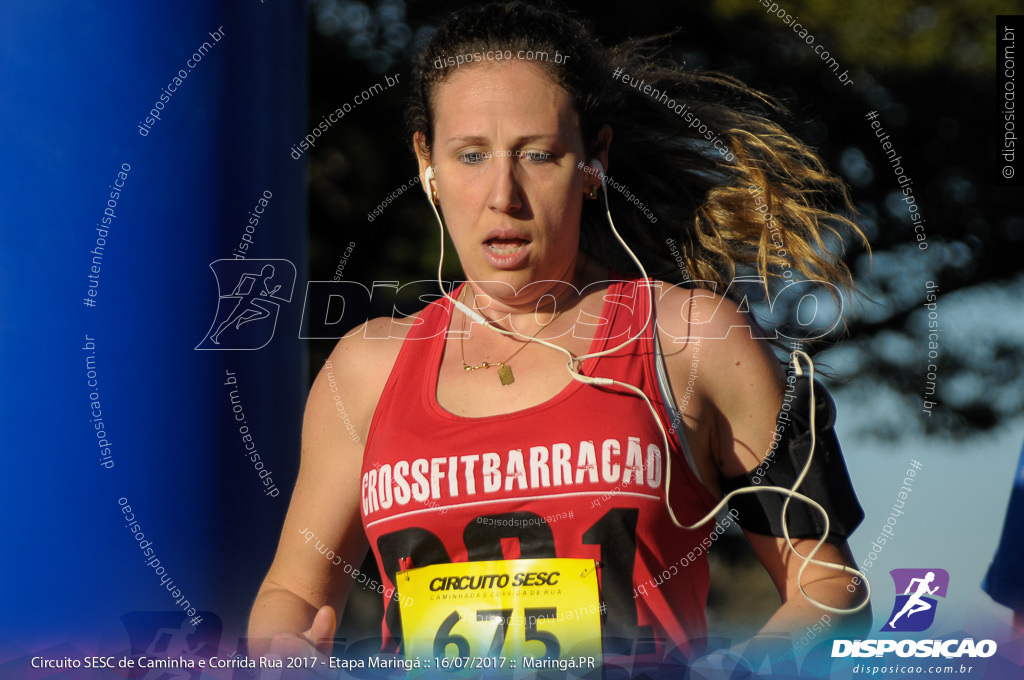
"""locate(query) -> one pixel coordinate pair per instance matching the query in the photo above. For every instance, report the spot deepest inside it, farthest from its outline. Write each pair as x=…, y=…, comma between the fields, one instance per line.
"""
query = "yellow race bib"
x=500, y=617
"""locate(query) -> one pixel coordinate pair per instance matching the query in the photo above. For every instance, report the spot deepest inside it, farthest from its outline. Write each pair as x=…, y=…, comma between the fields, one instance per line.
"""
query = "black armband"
x=827, y=480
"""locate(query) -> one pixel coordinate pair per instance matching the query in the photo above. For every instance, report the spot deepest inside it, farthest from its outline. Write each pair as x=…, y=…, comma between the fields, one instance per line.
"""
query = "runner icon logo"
x=914, y=610
x=250, y=295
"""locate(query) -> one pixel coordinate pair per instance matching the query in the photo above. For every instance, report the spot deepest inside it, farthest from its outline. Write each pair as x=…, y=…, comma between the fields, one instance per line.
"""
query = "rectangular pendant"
x=505, y=375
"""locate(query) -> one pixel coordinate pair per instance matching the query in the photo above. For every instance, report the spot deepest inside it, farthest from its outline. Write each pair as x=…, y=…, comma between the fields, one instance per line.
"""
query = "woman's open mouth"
x=506, y=251
x=506, y=246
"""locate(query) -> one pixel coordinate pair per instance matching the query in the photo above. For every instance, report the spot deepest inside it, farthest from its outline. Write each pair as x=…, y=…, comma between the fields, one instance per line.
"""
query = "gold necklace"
x=505, y=374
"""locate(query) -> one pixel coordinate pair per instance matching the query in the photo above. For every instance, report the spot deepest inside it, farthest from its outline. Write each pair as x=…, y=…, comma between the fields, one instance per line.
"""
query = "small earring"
x=593, y=193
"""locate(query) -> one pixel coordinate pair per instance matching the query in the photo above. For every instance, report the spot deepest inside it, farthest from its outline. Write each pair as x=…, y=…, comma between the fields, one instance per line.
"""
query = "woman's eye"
x=537, y=156
x=473, y=157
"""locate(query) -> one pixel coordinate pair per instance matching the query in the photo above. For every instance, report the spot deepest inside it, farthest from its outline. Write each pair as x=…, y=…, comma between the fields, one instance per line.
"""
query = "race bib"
x=515, y=616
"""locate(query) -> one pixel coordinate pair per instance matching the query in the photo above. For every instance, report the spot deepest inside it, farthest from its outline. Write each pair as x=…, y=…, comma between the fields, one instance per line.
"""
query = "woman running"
x=547, y=428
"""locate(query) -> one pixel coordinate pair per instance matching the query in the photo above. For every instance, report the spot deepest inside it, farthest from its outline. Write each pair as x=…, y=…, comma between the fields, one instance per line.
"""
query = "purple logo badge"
x=914, y=610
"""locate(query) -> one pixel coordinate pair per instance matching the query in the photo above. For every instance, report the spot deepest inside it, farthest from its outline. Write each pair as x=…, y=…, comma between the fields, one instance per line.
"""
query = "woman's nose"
x=506, y=192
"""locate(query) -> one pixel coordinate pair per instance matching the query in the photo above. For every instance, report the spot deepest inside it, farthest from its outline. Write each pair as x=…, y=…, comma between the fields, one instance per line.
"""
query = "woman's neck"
x=541, y=307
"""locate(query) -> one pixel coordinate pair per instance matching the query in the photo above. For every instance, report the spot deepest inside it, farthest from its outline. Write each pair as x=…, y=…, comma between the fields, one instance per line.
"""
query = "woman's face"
x=506, y=147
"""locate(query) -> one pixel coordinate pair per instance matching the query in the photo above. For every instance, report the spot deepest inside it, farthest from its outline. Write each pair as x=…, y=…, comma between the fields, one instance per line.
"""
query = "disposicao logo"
x=258, y=289
x=914, y=612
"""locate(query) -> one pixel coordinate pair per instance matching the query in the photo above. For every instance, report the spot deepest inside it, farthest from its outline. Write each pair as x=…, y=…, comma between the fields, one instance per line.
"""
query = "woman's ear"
x=600, y=153
x=419, y=142
x=604, y=142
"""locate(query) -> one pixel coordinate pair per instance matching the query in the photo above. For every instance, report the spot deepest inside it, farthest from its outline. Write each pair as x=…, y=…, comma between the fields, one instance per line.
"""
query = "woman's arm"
x=324, y=513
x=730, y=424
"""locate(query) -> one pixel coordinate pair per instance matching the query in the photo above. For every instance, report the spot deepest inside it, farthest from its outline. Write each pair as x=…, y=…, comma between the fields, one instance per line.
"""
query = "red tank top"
x=589, y=458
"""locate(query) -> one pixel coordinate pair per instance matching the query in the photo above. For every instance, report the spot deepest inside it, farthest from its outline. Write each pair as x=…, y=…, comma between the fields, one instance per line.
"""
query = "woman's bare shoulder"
x=736, y=377
x=697, y=314
x=729, y=336
x=357, y=371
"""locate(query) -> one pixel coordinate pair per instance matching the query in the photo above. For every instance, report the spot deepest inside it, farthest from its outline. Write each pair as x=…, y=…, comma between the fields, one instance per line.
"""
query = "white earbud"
x=597, y=165
x=425, y=181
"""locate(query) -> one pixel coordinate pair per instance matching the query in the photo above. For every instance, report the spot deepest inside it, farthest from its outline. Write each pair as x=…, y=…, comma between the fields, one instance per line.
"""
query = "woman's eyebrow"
x=519, y=141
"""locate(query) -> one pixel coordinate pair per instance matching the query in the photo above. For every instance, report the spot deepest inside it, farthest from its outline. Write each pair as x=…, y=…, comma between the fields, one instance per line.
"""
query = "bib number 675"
x=532, y=616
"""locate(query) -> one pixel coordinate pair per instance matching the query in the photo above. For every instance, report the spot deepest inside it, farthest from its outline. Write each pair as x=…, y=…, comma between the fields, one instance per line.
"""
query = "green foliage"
x=881, y=35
